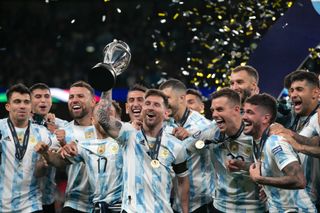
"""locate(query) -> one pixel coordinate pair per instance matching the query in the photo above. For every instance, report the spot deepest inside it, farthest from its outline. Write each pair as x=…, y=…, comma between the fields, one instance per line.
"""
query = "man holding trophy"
x=150, y=155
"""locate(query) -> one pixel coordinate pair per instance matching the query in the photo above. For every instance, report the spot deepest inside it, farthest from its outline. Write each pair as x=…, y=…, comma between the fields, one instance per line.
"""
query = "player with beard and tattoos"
x=81, y=103
x=276, y=165
x=103, y=159
x=151, y=155
x=244, y=80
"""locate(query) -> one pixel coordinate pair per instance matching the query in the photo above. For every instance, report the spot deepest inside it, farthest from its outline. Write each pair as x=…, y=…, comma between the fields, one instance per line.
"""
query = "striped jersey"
x=147, y=189
x=310, y=164
x=48, y=183
x=103, y=159
x=79, y=193
x=200, y=167
x=235, y=191
x=19, y=188
x=276, y=155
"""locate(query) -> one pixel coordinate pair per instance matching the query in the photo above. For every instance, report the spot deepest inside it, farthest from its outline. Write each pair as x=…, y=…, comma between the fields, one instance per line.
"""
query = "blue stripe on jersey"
x=34, y=187
x=192, y=189
x=139, y=180
x=2, y=169
x=16, y=186
x=156, y=179
x=76, y=194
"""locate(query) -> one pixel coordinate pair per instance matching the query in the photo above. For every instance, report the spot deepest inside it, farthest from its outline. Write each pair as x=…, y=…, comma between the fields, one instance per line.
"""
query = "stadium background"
x=197, y=41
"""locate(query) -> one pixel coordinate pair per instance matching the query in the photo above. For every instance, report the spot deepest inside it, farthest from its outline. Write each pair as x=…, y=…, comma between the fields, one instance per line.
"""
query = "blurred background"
x=197, y=41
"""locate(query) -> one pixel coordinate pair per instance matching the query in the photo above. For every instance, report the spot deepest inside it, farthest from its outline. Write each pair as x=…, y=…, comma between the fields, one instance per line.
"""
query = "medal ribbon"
x=20, y=150
x=296, y=120
x=222, y=137
x=184, y=117
x=233, y=137
x=154, y=152
x=258, y=149
x=39, y=119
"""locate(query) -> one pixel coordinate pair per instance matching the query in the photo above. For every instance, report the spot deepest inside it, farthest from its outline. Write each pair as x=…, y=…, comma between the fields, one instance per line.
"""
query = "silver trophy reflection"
x=117, y=57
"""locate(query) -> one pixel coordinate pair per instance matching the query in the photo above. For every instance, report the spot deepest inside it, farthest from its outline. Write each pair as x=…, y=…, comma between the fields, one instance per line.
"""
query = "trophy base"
x=102, y=77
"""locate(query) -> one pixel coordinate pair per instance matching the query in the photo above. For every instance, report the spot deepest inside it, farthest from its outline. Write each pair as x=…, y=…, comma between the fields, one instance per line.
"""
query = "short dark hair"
x=287, y=79
x=265, y=101
x=301, y=75
x=174, y=84
x=19, y=88
x=194, y=92
x=41, y=86
x=249, y=69
x=159, y=93
x=230, y=94
x=117, y=107
x=85, y=85
x=138, y=87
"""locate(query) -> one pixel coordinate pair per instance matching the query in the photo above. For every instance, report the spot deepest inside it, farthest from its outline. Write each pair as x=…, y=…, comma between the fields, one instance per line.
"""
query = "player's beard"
x=82, y=114
x=245, y=94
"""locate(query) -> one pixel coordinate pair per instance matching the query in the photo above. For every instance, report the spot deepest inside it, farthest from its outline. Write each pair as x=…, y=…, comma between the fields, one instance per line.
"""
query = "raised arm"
x=110, y=124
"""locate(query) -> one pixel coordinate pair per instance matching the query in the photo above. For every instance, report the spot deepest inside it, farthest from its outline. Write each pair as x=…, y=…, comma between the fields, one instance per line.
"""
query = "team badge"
x=248, y=151
x=234, y=147
x=20, y=137
x=164, y=153
x=114, y=149
x=197, y=134
x=32, y=140
x=88, y=134
x=101, y=149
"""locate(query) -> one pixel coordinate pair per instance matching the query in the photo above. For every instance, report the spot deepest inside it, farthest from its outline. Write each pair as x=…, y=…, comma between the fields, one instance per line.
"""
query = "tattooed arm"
x=293, y=176
x=313, y=141
x=110, y=124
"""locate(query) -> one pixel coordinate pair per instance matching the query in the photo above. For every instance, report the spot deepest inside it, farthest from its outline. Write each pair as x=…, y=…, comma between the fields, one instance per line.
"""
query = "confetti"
x=104, y=18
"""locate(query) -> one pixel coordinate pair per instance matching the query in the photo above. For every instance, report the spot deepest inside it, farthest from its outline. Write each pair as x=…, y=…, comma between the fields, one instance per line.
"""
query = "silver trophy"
x=117, y=57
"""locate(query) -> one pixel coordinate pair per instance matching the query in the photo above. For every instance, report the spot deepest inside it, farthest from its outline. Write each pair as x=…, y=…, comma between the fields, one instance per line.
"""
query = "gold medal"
x=199, y=144
x=155, y=164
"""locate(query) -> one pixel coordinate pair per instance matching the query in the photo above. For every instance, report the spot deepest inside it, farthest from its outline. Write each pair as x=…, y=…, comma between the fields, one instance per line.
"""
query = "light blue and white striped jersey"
x=201, y=172
x=148, y=189
x=276, y=155
x=310, y=164
x=235, y=191
x=48, y=183
x=19, y=188
x=79, y=193
x=103, y=159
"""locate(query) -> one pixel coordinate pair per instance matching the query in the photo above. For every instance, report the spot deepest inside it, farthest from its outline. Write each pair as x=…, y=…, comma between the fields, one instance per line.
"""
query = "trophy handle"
x=102, y=80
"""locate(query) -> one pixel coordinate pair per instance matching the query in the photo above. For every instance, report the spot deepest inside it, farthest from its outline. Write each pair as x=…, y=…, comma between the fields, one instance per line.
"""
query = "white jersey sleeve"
x=281, y=152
